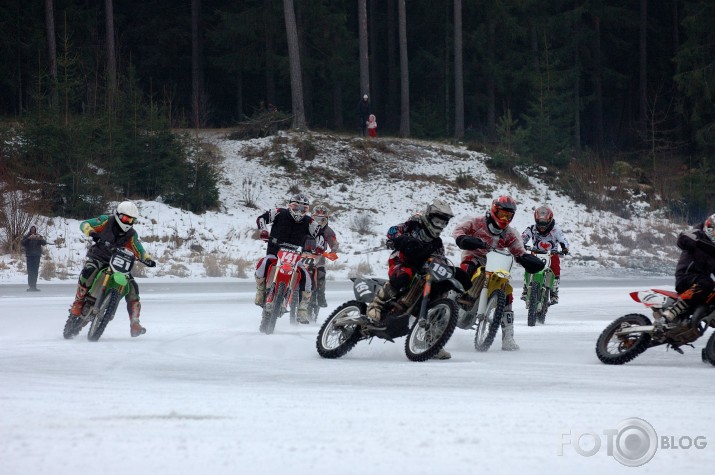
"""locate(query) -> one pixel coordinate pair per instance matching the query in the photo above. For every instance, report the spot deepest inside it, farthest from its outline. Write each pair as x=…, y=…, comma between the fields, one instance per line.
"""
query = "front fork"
x=494, y=281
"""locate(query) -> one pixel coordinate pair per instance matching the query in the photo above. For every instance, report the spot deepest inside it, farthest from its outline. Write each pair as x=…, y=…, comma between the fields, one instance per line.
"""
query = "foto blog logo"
x=633, y=443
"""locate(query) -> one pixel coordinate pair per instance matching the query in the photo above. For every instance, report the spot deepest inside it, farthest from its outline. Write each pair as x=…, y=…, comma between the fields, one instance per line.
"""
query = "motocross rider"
x=695, y=265
x=326, y=237
x=116, y=229
x=288, y=225
x=476, y=237
x=413, y=242
x=547, y=236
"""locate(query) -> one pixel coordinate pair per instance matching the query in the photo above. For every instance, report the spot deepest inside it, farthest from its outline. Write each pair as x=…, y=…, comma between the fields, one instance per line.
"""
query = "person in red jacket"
x=478, y=235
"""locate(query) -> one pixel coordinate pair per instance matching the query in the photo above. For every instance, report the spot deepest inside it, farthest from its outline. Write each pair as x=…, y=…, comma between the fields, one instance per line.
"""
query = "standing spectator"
x=363, y=113
x=33, y=242
x=372, y=126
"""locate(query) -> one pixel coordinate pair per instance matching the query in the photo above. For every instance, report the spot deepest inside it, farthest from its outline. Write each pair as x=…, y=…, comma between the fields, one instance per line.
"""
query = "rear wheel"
x=294, y=311
x=336, y=337
x=532, y=303
x=270, y=317
x=429, y=336
x=104, y=315
x=708, y=353
x=619, y=349
x=488, y=325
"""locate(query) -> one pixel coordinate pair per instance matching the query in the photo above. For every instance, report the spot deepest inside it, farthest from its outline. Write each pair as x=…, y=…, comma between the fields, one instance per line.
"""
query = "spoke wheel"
x=532, y=303
x=620, y=349
x=104, y=315
x=488, y=324
x=335, y=341
x=426, y=338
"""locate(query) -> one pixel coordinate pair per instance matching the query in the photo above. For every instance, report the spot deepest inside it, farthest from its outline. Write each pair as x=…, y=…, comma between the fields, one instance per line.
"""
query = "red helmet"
x=544, y=218
x=709, y=227
x=502, y=211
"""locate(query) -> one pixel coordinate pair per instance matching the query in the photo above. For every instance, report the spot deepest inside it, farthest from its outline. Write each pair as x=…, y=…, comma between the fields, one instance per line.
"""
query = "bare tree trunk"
x=338, y=105
x=196, y=65
x=270, y=67
x=296, y=84
x=491, y=80
x=458, y=73
x=676, y=27
x=111, y=51
x=374, y=60
x=643, y=54
x=305, y=76
x=392, y=73
x=51, y=48
x=598, y=86
x=364, y=63
x=239, y=95
x=404, y=72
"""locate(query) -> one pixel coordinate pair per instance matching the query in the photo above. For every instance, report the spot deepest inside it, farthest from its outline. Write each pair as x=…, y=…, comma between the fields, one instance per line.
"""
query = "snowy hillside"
x=370, y=185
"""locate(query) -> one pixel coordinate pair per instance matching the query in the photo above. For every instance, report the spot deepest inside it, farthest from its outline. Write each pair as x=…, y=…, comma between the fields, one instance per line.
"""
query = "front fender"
x=448, y=284
x=497, y=282
x=120, y=282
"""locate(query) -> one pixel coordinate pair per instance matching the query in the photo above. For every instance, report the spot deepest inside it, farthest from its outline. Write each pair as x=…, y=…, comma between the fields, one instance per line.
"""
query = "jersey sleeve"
x=94, y=224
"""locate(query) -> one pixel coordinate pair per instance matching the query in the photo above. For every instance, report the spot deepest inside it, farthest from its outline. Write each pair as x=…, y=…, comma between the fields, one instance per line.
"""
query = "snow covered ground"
x=204, y=392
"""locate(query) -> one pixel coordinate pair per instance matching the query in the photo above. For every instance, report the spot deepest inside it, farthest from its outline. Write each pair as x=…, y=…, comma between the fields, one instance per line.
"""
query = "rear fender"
x=654, y=298
x=365, y=289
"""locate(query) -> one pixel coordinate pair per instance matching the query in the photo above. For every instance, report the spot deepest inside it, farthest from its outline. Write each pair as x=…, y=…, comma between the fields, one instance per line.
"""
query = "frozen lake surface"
x=204, y=392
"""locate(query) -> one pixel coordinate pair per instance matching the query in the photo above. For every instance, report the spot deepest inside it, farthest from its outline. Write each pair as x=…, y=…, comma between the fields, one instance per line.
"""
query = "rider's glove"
x=531, y=263
x=264, y=235
x=564, y=250
x=150, y=262
x=319, y=250
x=95, y=236
x=470, y=243
x=408, y=244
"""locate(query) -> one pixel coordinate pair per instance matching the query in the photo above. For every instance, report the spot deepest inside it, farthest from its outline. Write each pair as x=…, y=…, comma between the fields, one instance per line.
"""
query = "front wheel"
x=104, y=315
x=488, y=324
x=708, y=353
x=335, y=340
x=428, y=336
x=270, y=316
x=532, y=303
x=619, y=349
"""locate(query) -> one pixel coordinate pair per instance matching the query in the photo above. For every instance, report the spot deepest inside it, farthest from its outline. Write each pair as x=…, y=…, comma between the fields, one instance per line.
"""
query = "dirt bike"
x=538, y=287
x=108, y=288
x=428, y=321
x=309, y=261
x=491, y=284
x=281, y=285
x=630, y=335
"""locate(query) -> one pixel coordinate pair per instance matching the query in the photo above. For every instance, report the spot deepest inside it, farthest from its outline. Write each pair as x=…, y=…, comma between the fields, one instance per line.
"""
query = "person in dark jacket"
x=288, y=225
x=117, y=229
x=33, y=242
x=695, y=265
x=363, y=114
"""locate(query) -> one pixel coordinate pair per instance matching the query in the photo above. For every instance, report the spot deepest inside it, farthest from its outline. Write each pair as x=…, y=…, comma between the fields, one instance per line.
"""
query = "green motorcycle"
x=538, y=287
x=109, y=287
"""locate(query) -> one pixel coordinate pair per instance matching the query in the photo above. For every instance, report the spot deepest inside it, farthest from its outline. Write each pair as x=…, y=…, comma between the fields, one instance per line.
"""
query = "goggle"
x=321, y=220
x=504, y=214
x=299, y=207
x=126, y=219
x=439, y=222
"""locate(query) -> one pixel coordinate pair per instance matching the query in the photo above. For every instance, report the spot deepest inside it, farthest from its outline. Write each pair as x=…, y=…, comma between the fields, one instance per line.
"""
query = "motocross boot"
x=523, y=292
x=555, y=292
x=377, y=306
x=442, y=355
x=321, y=293
x=507, y=332
x=78, y=303
x=260, y=291
x=134, y=308
x=302, y=315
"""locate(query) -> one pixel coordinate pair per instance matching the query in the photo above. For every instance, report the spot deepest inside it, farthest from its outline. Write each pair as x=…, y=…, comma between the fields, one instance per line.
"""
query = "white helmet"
x=436, y=216
x=126, y=214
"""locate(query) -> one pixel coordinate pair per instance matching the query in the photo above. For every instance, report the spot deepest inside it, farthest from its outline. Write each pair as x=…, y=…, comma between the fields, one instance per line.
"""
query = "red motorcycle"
x=309, y=262
x=282, y=282
x=630, y=335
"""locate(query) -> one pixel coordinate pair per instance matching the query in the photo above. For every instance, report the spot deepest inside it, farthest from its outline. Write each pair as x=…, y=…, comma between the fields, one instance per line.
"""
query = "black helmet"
x=298, y=206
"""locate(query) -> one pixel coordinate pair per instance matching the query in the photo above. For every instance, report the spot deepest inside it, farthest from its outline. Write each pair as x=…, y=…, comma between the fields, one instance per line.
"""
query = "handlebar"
x=534, y=250
x=112, y=247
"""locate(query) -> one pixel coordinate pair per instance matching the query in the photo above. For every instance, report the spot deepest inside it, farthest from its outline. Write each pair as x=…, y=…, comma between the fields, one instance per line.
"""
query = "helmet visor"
x=321, y=220
x=126, y=219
